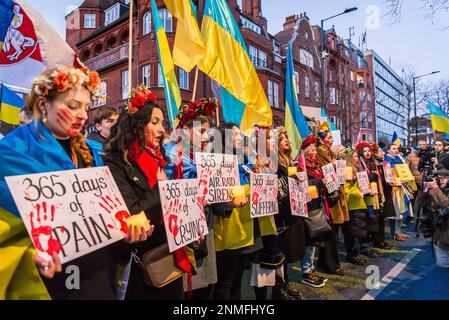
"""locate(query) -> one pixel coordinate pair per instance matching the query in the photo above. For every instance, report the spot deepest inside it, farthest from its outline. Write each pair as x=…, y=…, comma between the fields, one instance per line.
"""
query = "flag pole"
x=130, y=44
x=195, y=84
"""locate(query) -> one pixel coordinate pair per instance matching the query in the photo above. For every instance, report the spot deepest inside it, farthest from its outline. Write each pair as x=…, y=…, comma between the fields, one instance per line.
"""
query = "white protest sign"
x=297, y=202
x=183, y=211
x=363, y=181
x=304, y=186
x=218, y=174
x=388, y=172
x=330, y=178
x=264, y=191
x=341, y=173
x=71, y=213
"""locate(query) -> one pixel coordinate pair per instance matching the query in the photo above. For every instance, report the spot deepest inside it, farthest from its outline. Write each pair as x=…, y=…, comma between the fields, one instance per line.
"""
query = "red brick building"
x=98, y=32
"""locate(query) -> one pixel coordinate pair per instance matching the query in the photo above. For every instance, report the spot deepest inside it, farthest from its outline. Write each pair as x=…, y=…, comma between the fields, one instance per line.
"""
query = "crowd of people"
x=134, y=145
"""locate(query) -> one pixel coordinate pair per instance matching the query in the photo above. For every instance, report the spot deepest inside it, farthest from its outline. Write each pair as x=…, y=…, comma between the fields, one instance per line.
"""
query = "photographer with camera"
x=441, y=158
x=435, y=220
x=417, y=159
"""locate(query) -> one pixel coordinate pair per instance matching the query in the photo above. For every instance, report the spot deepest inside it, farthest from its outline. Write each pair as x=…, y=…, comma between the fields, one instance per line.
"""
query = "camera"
x=425, y=156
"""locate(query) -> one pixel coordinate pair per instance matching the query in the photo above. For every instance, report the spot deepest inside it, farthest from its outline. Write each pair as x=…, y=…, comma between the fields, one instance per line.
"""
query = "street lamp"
x=414, y=99
x=323, y=50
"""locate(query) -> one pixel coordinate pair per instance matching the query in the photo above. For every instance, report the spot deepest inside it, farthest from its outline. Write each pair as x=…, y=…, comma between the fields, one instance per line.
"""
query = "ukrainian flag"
x=10, y=105
x=172, y=92
x=188, y=49
x=227, y=62
x=440, y=120
x=6, y=16
x=395, y=140
x=295, y=123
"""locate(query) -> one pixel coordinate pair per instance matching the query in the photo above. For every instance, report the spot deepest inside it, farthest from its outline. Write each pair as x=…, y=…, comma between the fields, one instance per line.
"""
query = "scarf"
x=150, y=161
x=312, y=166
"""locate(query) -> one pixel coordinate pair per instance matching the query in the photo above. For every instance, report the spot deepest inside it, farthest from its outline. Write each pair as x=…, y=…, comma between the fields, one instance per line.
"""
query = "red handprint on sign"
x=174, y=208
x=42, y=232
x=120, y=215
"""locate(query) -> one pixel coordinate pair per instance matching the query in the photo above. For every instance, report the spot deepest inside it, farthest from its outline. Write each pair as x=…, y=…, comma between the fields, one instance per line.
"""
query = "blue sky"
x=414, y=42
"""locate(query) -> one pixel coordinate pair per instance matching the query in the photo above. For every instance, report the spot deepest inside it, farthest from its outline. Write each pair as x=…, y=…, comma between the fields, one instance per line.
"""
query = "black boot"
x=280, y=292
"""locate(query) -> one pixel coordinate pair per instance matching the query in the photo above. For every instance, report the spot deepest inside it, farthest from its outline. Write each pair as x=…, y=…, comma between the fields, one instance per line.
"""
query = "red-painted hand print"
x=113, y=207
x=41, y=231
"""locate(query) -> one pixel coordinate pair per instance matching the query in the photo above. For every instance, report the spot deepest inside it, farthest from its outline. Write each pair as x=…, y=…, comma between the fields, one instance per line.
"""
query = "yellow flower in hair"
x=322, y=129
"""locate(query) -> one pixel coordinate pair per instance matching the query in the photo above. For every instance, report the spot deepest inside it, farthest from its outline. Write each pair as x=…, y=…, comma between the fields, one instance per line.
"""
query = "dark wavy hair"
x=130, y=128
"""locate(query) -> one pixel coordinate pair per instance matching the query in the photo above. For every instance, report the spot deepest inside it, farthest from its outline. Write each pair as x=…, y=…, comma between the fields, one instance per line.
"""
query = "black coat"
x=138, y=197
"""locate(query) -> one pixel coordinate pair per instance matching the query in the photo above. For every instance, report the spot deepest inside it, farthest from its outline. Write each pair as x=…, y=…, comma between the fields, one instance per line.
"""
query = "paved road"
x=419, y=279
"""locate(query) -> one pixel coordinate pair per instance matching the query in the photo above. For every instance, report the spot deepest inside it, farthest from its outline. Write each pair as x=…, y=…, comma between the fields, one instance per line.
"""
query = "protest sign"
x=341, y=173
x=297, y=202
x=336, y=134
x=264, y=191
x=363, y=181
x=218, y=174
x=388, y=172
x=183, y=211
x=304, y=186
x=330, y=178
x=71, y=213
x=403, y=172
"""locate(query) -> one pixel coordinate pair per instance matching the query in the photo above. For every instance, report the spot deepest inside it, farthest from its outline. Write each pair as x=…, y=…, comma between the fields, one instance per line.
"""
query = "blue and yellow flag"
x=10, y=105
x=188, y=49
x=440, y=120
x=295, y=123
x=6, y=16
x=227, y=62
x=395, y=140
x=171, y=87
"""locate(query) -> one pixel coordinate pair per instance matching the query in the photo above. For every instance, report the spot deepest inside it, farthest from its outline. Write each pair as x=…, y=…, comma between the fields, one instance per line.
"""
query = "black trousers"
x=379, y=237
x=328, y=256
x=230, y=268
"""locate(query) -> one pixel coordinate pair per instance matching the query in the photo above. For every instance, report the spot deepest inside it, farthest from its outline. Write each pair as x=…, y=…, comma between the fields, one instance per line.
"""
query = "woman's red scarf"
x=150, y=161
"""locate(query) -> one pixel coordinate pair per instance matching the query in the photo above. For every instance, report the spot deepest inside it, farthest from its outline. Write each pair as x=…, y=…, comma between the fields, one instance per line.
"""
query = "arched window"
x=146, y=23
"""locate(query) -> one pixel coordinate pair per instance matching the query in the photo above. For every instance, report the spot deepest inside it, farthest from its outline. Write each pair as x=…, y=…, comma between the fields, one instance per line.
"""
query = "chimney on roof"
x=290, y=21
x=253, y=9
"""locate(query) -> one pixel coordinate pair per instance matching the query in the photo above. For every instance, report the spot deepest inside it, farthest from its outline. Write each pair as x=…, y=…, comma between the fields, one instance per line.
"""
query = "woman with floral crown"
x=60, y=99
x=338, y=213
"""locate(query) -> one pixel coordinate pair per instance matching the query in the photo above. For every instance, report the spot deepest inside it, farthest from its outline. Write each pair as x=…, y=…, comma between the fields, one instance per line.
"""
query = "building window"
x=253, y=55
x=102, y=96
x=333, y=120
x=112, y=14
x=250, y=25
x=363, y=137
x=166, y=19
x=146, y=75
x=160, y=76
x=262, y=59
x=370, y=121
x=352, y=97
x=307, y=86
x=270, y=92
x=125, y=84
x=89, y=21
x=147, y=23
x=363, y=120
x=306, y=58
x=276, y=94
x=296, y=74
x=317, y=92
x=332, y=95
x=183, y=79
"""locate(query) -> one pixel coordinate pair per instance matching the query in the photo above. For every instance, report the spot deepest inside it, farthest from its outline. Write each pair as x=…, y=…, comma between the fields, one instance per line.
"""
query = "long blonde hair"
x=78, y=143
x=285, y=157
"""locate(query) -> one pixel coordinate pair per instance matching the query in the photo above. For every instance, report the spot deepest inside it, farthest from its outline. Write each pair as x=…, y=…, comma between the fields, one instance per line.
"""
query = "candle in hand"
x=140, y=220
x=292, y=171
x=397, y=181
x=349, y=173
x=313, y=191
x=374, y=188
x=238, y=192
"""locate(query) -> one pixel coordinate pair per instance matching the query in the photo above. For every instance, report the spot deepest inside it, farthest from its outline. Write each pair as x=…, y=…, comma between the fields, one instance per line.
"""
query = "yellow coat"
x=237, y=231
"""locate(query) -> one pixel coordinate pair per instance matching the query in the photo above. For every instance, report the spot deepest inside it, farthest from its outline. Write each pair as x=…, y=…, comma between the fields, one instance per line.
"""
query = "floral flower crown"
x=203, y=107
x=362, y=144
x=137, y=99
x=347, y=151
x=67, y=77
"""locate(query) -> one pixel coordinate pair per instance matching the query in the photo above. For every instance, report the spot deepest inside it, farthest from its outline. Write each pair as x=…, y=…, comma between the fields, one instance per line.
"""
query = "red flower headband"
x=308, y=141
x=203, y=107
x=363, y=144
x=137, y=99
